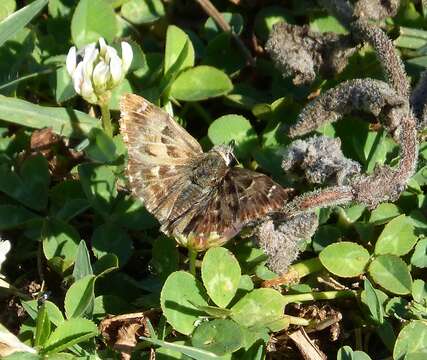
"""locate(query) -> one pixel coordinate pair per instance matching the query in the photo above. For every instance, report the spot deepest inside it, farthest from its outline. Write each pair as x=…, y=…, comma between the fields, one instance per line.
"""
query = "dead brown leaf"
x=122, y=332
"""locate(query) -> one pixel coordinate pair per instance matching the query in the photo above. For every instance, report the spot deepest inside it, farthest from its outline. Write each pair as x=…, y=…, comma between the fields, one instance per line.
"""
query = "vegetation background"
x=83, y=249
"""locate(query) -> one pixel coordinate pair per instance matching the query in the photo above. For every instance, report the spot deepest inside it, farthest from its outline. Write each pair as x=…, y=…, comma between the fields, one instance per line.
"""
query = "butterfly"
x=198, y=197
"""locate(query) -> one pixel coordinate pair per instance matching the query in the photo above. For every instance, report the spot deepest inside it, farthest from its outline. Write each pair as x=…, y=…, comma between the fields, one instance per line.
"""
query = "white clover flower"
x=4, y=249
x=96, y=70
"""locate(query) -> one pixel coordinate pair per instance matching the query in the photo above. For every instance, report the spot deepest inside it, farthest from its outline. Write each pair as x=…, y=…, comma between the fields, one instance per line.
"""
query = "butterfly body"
x=199, y=198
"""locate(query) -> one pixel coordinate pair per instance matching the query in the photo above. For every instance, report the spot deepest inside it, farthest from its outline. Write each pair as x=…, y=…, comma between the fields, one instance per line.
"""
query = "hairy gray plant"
x=320, y=160
x=376, y=9
x=299, y=52
x=388, y=101
x=281, y=240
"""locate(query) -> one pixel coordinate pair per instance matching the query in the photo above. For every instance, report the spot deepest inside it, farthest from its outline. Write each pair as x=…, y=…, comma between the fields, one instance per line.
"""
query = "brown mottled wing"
x=160, y=152
x=243, y=197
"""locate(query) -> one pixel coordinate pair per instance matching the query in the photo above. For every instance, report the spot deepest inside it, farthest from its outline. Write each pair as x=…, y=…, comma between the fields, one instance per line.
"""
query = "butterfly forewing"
x=160, y=152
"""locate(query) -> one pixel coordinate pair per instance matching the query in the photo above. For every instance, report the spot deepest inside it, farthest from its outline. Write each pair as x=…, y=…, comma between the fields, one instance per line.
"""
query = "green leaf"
x=31, y=186
x=411, y=38
x=42, y=327
x=218, y=336
x=200, y=83
x=411, y=339
x=269, y=16
x=258, y=308
x=60, y=240
x=101, y=147
x=109, y=238
x=91, y=20
x=345, y=259
x=180, y=293
x=22, y=355
x=165, y=256
x=53, y=312
x=66, y=122
x=7, y=8
x=352, y=213
x=72, y=208
x=386, y=333
x=237, y=128
x=325, y=235
x=211, y=28
x=98, y=182
x=169, y=77
x=347, y=353
x=327, y=23
x=391, y=272
x=419, y=291
x=214, y=311
x=69, y=333
x=397, y=238
x=106, y=264
x=221, y=275
x=245, y=283
x=397, y=307
x=373, y=302
x=79, y=297
x=15, y=22
x=82, y=266
x=60, y=8
x=419, y=220
x=175, y=42
x=12, y=216
x=384, y=213
x=419, y=257
x=223, y=54
x=64, y=89
x=375, y=150
x=143, y=11
x=194, y=353
x=124, y=87
x=110, y=304
x=131, y=214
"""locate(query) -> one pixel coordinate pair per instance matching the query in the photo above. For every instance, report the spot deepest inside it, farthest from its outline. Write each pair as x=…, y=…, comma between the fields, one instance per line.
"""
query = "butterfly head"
x=226, y=151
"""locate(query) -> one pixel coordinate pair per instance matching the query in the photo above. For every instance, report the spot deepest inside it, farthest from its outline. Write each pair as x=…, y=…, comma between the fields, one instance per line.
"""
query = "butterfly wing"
x=242, y=197
x=160, y=153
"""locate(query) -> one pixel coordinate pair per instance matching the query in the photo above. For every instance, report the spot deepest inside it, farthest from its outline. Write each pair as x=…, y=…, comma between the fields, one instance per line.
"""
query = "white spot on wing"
x=155, y=171
x=142, y=108
x=271, y=190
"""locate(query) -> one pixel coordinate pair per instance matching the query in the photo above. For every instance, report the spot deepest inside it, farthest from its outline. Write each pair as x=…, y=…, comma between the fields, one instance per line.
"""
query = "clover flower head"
x=4, y=249
x=97, y=69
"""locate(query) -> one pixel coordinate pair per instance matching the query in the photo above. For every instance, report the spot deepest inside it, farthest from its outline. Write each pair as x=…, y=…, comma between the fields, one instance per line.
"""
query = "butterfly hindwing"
x=243, y=197
x=160, y=152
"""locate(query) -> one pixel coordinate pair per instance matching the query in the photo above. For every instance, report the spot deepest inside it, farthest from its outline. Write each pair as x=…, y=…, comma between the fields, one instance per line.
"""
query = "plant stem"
x=106, y=118
x=321, y=295
x=212, y=11
x=192, y=255
x=306, y=267
x=296, y=272
x=297, y=320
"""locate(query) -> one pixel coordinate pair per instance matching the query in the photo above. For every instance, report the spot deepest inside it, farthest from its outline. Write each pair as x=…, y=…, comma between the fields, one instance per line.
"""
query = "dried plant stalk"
x=376, y=9
x=392, y=64
x=369, y=95
x=387, y=101
x=320, y=160
x=281, y=240
x=301, y=53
